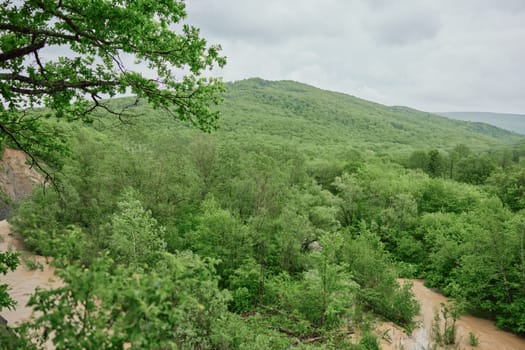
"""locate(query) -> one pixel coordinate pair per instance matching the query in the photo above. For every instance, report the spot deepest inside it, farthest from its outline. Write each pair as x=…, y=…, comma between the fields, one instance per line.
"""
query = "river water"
x=23, y=281
x=490, y=338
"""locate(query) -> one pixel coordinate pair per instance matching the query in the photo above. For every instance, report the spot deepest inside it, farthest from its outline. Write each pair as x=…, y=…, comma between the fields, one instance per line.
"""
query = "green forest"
x=289, y=223
x=197, y=214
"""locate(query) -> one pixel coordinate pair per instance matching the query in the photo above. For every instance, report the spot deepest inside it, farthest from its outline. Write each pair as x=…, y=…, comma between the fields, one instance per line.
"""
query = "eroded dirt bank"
x=490, y=338
x=17, y=180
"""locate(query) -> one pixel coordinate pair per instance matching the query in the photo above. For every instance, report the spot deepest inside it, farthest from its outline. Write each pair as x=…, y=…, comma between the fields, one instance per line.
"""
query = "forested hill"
x=512, y=122
x=215, y=239
x=287, y=111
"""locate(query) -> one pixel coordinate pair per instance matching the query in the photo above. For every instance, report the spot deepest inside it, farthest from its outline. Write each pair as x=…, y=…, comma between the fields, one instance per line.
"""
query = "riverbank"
x=489, y=337
x=23, y=281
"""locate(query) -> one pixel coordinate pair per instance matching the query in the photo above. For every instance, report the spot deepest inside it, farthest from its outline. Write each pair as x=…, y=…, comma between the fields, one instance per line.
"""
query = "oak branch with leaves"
x=69, y=55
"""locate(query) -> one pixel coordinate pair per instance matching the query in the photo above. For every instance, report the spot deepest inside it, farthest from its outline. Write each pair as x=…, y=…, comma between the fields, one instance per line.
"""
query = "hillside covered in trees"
x=289, y=225
x=507, y=121
x=305, y=115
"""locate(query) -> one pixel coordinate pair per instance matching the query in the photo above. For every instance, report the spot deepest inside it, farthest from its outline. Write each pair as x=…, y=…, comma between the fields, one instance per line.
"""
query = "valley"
x=221, y=226
x=156, y=193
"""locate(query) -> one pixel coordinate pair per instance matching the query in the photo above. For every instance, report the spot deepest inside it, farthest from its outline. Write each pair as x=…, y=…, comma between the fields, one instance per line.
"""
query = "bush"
x=369, y=342
x=176, y=305
x=379, y=290
x=473, y=339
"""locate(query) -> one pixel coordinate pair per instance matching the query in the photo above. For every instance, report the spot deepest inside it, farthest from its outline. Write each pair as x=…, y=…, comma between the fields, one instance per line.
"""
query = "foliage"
x=475, y=170
x=377, y=279
x=324, y=296
x=36, y=220
x=136, y=240
x=473, y=339
x=369, y=342
x=176, y=306
x=220, y=235
x=444, y=326
x=8, y=262
x=446, y=196
x=505, y=121
x=435, y=165
x=509, y=185
x=295, y=114
x=33, y=264
x=108, y=44
x=459, y=164
x=303, y=213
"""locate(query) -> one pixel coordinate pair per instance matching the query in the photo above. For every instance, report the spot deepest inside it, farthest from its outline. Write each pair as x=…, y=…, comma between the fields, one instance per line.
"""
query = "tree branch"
x=99, y=42
x=34, y=31
x=120, y=115
x=51, y=87
x=22, y=51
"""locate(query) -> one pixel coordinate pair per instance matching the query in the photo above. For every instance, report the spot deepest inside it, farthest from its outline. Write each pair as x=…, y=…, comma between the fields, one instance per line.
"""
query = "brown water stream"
x=490, y=338
x=23, y=281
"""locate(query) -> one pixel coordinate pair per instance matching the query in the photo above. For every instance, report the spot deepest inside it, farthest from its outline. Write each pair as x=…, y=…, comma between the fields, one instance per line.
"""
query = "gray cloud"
x=429, y=55
x=269, y=22
x=404, y=28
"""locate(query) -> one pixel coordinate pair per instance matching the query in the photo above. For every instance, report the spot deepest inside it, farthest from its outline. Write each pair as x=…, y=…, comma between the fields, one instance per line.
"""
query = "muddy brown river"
x=490, y=338
x=23, y=282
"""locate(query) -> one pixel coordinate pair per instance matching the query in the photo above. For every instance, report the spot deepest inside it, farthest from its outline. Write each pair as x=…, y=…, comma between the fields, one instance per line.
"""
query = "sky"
x=436, y=56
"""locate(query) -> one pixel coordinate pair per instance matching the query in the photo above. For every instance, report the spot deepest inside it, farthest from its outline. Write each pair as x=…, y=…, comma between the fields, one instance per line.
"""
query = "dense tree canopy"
x=8, y=262
x=287, y=228
x=68, y=55
x=252, y=239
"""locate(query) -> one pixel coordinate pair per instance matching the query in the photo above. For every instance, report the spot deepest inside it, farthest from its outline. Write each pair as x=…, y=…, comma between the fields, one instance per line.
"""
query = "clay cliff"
x=17, y=180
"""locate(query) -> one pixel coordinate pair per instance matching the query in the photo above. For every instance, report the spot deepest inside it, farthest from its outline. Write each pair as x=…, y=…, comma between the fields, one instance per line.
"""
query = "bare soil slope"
x=17, y=179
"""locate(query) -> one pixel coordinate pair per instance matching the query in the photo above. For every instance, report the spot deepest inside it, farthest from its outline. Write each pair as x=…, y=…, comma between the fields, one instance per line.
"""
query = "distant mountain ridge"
x=507, y=121
x=289, y=114
x=293, y=111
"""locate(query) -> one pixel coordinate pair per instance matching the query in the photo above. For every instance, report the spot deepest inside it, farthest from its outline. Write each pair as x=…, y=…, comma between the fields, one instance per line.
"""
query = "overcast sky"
x=446, y=55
